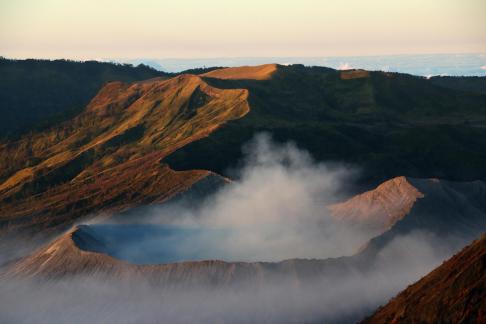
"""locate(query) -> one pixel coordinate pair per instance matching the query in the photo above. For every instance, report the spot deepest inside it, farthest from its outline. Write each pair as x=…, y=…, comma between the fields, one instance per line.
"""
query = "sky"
x=92, y=29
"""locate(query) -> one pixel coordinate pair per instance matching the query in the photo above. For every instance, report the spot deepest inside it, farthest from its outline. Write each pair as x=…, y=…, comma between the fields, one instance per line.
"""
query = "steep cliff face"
x=455, y=292
x=109, y=157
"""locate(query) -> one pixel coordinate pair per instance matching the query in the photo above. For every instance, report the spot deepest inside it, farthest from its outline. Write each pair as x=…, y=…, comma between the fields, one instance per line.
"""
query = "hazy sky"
x=238, y=28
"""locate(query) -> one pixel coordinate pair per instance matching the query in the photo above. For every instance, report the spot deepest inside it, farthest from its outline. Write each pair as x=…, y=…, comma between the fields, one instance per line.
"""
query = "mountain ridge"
x=124, y=129
x=259, y=72
x=36, y=94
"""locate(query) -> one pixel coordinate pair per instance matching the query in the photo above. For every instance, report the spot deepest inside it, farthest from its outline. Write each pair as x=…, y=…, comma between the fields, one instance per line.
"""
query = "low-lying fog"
x=338, y=298
x=275, y=211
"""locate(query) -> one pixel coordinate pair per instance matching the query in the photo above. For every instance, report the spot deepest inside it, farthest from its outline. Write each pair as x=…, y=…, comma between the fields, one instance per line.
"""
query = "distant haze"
x=250, y=28
x=424, y=65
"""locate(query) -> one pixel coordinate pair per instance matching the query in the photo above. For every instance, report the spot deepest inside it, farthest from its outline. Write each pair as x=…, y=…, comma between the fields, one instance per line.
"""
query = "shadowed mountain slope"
x=36, y=94
x=455, y=292
x=387, y=123
x=467, y=84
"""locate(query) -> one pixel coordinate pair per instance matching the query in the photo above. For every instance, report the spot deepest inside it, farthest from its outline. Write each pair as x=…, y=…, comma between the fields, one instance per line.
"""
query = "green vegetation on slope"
x=468, y=84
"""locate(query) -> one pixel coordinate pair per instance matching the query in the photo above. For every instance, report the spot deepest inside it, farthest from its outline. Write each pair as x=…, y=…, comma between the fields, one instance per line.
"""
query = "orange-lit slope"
x=455, y=292
x=259, y=72
x=109, y=157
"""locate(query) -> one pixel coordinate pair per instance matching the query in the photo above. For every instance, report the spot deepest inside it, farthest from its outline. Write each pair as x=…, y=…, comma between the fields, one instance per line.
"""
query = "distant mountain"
x=455, y=292
x=261, y=72
x=35, y=94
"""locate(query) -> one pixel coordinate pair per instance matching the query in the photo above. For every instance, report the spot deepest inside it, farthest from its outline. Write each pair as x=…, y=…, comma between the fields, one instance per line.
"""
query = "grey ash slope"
x=453, y=211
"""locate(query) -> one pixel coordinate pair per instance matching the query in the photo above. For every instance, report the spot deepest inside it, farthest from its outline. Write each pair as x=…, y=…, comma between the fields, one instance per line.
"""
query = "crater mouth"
x=149, y=244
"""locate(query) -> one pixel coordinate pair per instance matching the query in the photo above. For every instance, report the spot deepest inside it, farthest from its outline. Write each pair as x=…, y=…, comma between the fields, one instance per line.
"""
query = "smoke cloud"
x=276, y=210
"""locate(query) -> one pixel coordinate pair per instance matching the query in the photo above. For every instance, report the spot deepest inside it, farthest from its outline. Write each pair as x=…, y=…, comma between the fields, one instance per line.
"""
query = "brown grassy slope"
x=109, y=156
x=455, y=292
x=354, y=74
x=140, y=181
x=259, y=72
